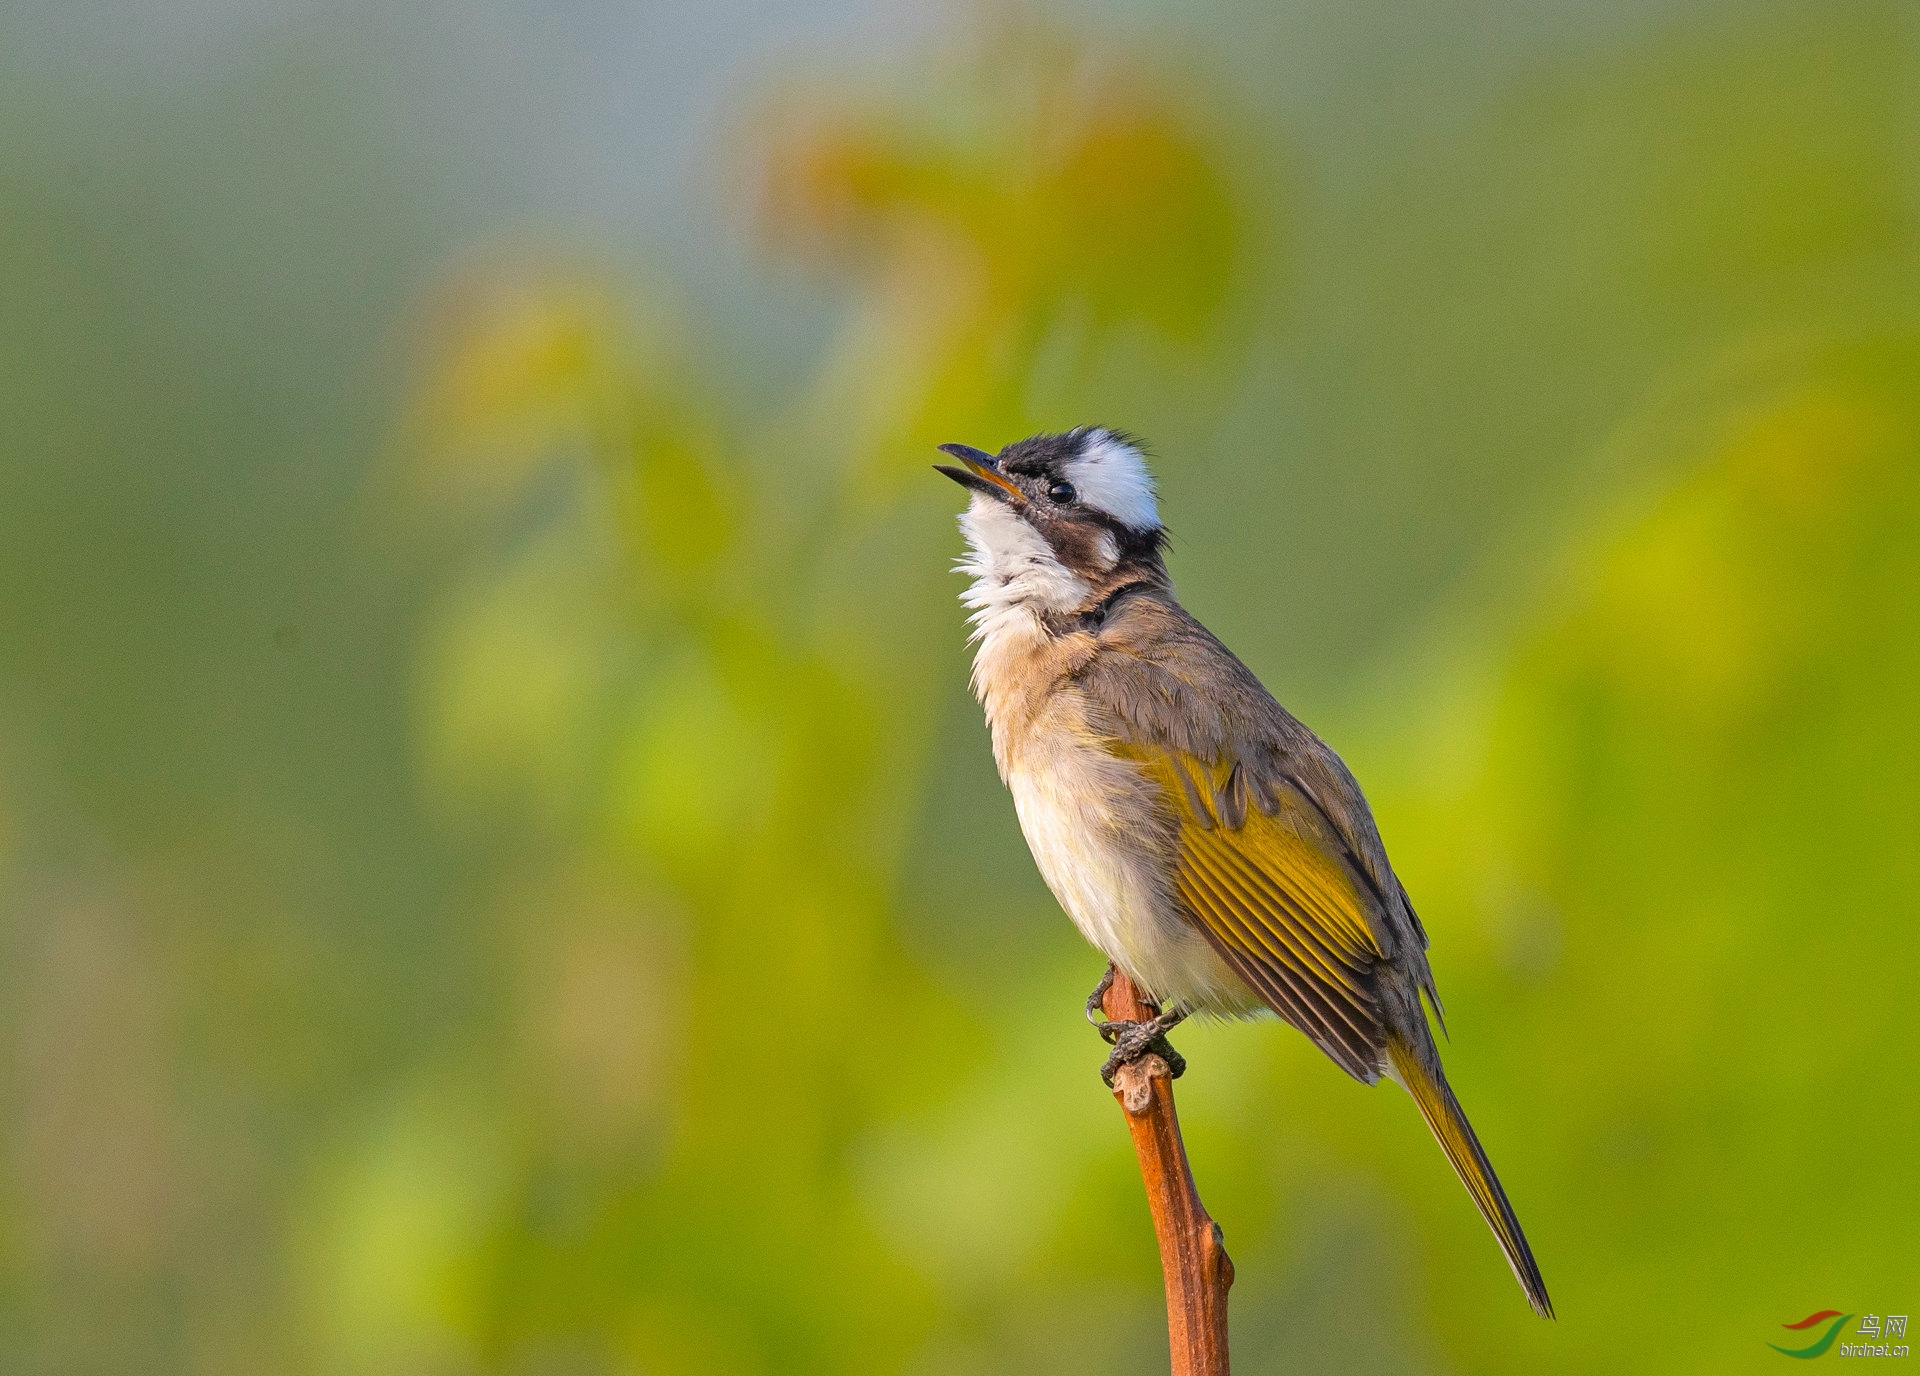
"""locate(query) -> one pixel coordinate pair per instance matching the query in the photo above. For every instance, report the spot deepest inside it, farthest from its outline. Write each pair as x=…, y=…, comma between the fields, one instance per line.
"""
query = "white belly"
x=1090, y=820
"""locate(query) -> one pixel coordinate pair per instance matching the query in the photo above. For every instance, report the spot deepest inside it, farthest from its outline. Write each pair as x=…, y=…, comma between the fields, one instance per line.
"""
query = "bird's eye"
x=1061, y=493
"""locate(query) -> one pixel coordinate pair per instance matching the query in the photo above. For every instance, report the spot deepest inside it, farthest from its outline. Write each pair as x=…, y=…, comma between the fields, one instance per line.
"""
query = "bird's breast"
x=1093, y=833
x=1105, y=845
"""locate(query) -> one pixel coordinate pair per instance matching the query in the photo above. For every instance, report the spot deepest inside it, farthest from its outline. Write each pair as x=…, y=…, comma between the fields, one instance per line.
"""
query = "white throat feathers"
x=1017, y=578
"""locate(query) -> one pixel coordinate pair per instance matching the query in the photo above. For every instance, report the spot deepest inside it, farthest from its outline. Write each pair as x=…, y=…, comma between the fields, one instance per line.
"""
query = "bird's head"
x=1060, y=516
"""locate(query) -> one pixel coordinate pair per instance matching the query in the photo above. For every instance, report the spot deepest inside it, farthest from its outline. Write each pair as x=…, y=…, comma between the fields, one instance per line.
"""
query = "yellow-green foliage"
x=537, y=901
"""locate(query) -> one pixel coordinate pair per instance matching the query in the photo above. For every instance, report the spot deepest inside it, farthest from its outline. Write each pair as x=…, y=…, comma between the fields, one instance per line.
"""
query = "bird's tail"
x=1427, y=1083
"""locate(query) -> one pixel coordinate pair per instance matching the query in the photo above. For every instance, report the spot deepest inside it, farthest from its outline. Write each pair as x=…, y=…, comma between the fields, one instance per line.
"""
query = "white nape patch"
x=1016, y=575
x=1111, y=476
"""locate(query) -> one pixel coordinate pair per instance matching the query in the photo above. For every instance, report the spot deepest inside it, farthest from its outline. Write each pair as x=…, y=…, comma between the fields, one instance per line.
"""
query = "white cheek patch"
x=1111, y=476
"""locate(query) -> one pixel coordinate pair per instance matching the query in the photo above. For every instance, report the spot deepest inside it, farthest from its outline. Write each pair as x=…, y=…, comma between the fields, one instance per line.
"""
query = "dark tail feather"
x=1443, y=1114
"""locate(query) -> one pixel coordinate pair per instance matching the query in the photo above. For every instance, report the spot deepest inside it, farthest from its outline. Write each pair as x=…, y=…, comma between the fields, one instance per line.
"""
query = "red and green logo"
x=1833, y=1318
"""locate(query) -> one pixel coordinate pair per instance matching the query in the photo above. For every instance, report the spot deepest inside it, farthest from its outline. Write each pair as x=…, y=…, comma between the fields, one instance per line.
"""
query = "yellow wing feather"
x=1274, y=896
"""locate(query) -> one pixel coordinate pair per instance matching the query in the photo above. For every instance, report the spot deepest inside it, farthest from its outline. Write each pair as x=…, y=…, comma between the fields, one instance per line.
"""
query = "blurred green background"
x=499, y=871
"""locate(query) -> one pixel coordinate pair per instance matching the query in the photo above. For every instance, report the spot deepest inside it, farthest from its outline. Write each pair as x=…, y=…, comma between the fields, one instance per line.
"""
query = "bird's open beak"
x=979, y=471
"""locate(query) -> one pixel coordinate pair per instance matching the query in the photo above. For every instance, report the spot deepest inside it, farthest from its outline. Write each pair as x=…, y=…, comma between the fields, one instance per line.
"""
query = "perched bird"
x=1212, y=847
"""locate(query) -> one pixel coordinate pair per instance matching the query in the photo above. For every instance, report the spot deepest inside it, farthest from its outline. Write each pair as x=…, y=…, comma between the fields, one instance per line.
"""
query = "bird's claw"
x=1133, y=1041
x=1096, y=1000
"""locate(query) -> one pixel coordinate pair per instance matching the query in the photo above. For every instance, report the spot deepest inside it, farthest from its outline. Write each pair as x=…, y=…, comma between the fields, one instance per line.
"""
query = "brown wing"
x=1270, y=885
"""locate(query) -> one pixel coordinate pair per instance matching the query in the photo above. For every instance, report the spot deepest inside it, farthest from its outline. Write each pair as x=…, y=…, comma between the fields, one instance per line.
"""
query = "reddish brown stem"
x=1193, y=1257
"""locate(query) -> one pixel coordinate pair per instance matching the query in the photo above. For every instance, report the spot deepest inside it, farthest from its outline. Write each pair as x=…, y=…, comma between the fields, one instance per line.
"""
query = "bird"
x=1203, y=839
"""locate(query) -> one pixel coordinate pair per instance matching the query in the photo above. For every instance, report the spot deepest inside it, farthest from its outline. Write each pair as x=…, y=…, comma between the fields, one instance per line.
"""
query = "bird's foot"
x=1135, y=1041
